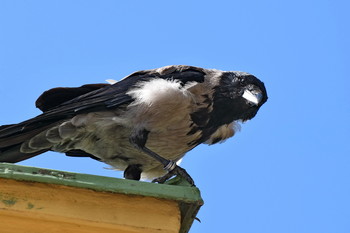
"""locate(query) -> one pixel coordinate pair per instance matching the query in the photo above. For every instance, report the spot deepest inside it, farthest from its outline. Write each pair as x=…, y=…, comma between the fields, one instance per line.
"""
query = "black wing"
x=57, y=96
x=63, y=103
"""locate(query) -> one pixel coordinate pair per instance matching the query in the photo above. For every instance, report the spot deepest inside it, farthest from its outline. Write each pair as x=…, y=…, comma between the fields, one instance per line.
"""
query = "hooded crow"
x=143, y=124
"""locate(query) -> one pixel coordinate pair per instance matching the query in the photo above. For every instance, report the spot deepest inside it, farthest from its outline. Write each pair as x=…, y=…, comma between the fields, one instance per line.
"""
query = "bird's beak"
x=111, y=81
x=253, y=96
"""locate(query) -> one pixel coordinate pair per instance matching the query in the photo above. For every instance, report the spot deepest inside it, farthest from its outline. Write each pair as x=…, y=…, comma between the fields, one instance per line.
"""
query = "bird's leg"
x=139, y=139
x=170, y=166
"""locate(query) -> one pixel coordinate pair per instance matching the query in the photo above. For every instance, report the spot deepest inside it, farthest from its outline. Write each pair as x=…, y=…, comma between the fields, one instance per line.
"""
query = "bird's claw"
x=177, y=170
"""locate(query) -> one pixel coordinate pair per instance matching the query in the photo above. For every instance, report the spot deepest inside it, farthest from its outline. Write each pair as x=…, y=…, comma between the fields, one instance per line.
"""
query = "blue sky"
x=288, y=170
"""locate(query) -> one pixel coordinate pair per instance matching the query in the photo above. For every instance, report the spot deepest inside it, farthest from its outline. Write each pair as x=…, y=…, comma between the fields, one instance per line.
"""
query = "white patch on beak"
x=253, y=98
x=111, y=81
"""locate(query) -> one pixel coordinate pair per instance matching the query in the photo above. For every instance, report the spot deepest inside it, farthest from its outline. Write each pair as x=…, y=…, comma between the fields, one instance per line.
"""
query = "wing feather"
x=100, y=98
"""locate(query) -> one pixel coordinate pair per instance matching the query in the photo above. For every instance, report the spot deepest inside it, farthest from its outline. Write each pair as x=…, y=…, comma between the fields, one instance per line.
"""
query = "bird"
x=143, y=124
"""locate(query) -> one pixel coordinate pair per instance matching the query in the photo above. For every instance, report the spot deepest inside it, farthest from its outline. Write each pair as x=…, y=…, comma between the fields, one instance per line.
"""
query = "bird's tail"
x=15, y=139
x=11, y=139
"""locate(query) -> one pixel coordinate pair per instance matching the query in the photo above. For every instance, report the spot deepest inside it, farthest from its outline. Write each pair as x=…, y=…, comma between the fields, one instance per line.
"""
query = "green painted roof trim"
x=176, y=189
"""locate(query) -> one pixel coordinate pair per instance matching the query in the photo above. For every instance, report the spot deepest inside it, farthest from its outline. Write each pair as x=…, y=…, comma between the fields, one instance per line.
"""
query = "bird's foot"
x=133, y=172
x=176, y=170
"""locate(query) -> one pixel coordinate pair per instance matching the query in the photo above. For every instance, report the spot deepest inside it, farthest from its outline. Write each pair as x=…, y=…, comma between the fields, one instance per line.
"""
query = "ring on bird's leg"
x=170, y=166
x=177, y=170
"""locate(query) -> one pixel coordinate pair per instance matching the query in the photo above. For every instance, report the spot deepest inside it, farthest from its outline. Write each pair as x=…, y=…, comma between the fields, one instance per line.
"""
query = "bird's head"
x=239, y=96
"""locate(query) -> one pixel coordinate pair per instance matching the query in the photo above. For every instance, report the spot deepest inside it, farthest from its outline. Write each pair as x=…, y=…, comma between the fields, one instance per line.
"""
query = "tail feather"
x=13, y=154
x=15, y=138
x=11, y=139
